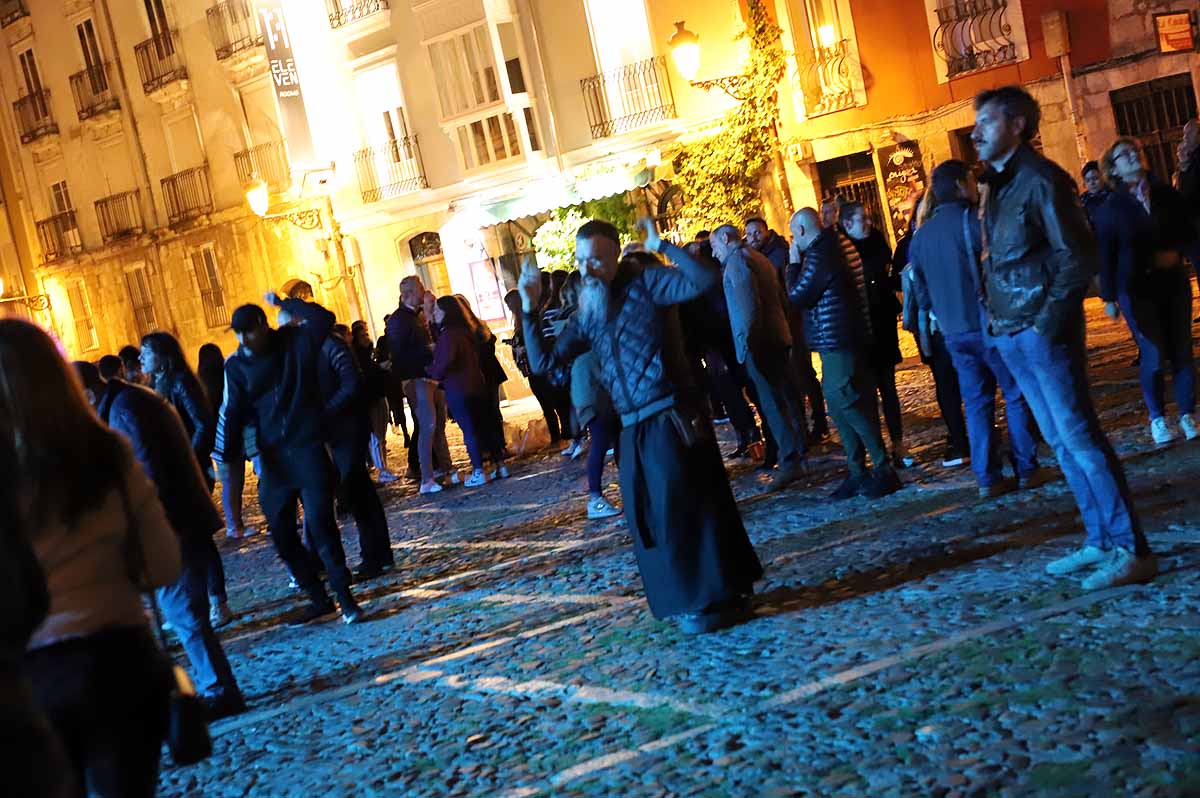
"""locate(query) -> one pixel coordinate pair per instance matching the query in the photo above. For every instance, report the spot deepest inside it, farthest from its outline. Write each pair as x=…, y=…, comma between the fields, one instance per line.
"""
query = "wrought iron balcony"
x=120, y=216
x=629, y=97
x=59, y=236
x=343, y=12
x=827, y=79
x=34, y=118
x=11, y=11
x=389, y=170
x=93, y=92
x=267, y=162
x=159, y=61
x=973, y=35
x=233, y=27
x=187, y=194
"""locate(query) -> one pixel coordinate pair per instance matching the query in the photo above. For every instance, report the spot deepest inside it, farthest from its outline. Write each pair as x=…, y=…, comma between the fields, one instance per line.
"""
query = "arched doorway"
x=426, y=251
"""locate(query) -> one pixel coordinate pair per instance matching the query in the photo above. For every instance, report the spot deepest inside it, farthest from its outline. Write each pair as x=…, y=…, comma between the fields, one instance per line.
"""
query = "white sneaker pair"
x=1161, y=432
x=1120, y=566
x=477, y=479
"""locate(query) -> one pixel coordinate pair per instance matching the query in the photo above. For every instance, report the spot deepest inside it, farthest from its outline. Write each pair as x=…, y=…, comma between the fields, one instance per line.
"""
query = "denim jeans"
x=780, y=402
x=980, y=371
x=184, y=605
x=1160, y=319
x=1052, y=374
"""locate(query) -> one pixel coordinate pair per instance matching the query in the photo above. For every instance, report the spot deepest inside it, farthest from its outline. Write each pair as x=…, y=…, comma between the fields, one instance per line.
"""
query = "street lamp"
x=258, y=195
x=685, y=50
x=31, y=301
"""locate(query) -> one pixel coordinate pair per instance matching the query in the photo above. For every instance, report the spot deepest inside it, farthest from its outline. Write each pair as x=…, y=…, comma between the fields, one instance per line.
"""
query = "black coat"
x=344, y=415
x=184, y=392
x=160, y=444
x=823, y=287
x=883, y=282
x=410, y=344
x=1131, y=239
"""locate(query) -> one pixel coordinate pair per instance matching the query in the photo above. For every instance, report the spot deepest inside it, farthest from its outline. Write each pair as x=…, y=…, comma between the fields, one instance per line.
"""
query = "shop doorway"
x=852, y=177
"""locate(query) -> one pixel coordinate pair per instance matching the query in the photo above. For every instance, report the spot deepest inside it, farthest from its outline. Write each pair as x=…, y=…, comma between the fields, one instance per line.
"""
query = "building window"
x=828, y=67
x=972, y=36
x=137, y=281
x=465, y=72
x=852, y=178
x=204, y=264
x=1154, y=113
x=489, y=140
x=81, y=312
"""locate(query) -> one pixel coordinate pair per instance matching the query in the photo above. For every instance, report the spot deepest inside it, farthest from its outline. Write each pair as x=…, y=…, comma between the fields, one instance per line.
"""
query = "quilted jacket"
x=823, y=287
x=639, y=345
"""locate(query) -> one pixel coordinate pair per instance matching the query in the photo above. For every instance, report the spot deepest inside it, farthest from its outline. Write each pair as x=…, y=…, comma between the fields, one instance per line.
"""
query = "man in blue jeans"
x=1038, y=257
x=944, y=258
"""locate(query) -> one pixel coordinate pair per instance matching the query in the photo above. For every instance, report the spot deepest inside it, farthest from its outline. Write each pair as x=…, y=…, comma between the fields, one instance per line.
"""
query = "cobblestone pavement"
x=907, y=647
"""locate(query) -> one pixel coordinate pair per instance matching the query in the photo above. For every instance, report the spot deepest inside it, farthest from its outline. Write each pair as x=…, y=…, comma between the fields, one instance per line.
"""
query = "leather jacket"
x=823, y=288
x=1038, y=254
x=189, y=399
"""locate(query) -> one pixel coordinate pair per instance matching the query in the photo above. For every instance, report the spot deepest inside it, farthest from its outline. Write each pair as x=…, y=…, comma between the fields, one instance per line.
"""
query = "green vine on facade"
x=720, y=173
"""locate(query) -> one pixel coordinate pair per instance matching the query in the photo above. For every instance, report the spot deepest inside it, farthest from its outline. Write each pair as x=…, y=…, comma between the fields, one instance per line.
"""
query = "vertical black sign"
x=286, y=78
x=903, y=182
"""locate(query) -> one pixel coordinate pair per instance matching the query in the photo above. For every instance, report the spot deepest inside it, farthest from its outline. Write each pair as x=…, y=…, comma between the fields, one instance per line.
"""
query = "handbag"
x=187, y=726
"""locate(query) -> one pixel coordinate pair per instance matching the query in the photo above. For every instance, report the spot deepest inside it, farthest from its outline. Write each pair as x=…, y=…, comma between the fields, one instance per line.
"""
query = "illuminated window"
x=464, y=69
x=81, y=312
x=829, y=70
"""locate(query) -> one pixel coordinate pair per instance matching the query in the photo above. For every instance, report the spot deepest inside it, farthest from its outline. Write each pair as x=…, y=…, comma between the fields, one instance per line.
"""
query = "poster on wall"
x=903, y=182
x=489, y=302
x=1174, y=31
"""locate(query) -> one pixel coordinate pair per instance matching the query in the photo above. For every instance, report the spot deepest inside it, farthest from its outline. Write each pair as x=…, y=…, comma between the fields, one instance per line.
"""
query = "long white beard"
x=593, y=300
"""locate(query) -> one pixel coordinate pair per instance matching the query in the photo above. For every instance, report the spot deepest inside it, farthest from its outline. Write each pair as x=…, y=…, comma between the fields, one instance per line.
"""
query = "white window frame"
x=87, y=320
x=142, y=269
x=807, y=39
x=206, y=273
x=1017, y=35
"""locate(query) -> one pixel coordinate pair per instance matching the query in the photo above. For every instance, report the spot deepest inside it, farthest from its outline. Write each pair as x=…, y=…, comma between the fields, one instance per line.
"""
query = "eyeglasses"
x=1127, y=155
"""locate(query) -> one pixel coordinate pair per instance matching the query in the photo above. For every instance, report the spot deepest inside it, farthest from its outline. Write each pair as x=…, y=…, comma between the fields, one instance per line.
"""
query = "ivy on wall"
x=719, y=173
x=555, y=239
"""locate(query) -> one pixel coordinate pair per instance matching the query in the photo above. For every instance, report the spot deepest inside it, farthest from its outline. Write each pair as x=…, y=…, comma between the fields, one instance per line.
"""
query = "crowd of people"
x=638, y=354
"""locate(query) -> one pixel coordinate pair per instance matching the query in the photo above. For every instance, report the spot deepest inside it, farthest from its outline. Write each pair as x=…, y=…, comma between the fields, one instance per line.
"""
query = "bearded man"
x=696, y=561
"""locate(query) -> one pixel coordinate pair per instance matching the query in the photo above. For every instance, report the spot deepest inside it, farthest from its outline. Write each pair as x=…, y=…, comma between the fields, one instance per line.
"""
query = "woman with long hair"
x=456, y=366
x=172, y=378
x=86, y=505
x=492, y=431
x=1145, y=229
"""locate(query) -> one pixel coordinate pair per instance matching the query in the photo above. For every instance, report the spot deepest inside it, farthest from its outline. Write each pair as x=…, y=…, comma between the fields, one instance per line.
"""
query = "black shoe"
x=850, y=487
x=365, y=572
x=717, y=617
x=884, y=482
x=1035, y=478
x=997, y=488
x=787, y=474
x=351, y=612
x=314, y=611
x=223, y=705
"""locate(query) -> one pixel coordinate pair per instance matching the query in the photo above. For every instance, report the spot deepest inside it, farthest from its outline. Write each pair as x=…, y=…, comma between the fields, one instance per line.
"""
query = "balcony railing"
x=973, y=35
x=233, y=26
x=826, y=79
x=93, y=92
x=120, y=216
x=628, y=97
x=343, y=12
x=159, y=61
x=34, y=118
x=187, y=194
x=11, y=11
x=59, y=236
x=389, y=170
x=267, y=162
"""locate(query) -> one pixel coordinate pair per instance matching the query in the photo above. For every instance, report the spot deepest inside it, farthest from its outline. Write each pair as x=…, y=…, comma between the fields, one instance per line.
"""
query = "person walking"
x=944, y=260
x=696, y=562
x=763, y=340
x=412, y=353
x=96, y=672
x=821, y=282
x=154, y=431
x=1145, y=230
x=1038, y=258
x=171, y=378
x=456, y=367
x=273, y=378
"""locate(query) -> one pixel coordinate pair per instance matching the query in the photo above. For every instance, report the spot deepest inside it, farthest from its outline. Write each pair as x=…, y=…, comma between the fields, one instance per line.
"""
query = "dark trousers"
x=460, y=406
x=491, y=424
x=728, y=377
x=106, y=695
x=28, y=741
x=982, y=370
x=949, y=395
x=184, y=605
x=603, y=430
x=850, y=396
x=556, y=406
x=362, y=500
x=303, y=474
x=1160, y=318
x=883, y=373
x=810, y=386
x=233, y=484
x=779, y=402
x=214, y=570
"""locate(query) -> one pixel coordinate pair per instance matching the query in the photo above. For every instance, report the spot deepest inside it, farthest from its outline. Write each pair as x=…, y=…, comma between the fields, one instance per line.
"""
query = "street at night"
x=907, y=647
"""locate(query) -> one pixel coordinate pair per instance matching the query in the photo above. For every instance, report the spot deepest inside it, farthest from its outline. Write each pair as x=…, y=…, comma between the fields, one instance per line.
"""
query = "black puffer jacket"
x=639, y=346
x=184, y=392
x=823, y=288
x=160, y=444
x=1039, y=254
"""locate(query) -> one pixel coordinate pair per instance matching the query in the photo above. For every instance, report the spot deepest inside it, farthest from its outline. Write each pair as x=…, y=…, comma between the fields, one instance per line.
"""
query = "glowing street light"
x=685, y=49
x=258, y=196
x=827, y=36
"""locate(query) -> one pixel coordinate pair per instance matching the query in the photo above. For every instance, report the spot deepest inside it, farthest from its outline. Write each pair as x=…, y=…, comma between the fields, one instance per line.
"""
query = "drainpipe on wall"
x=1081, y=143
x=543, y=75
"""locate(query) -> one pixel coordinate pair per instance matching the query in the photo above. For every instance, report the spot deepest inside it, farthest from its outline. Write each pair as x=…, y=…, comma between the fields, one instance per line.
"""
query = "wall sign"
x=903, y=182
x=286, y=79
x=1174, y=31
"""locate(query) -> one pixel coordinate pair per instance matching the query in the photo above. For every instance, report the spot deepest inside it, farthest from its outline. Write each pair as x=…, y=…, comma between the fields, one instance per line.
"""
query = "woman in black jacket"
x=494, y=376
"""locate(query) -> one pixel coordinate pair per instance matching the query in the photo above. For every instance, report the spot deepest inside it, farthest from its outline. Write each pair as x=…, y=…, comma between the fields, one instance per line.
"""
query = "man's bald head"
x=805, y=225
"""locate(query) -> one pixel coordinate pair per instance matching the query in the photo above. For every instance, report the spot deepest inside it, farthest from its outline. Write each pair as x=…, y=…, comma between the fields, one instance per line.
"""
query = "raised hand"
x=529, y=285
x=273, y=299
x=650, y=229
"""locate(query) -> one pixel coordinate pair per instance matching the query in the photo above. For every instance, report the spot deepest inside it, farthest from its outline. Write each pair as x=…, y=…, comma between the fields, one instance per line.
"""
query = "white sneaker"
x=600, y=508
x=1187, y=423
x=567, y=451
x=1088, y=555
x=386, y=477
x=454, y=479
x=219, y=614
x=1122, y=567
x=577, y=451
x=431, y=487
x=1160, y=432
x=476, y=479
x=501, y=472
